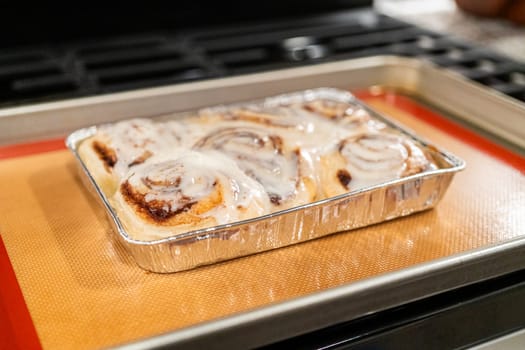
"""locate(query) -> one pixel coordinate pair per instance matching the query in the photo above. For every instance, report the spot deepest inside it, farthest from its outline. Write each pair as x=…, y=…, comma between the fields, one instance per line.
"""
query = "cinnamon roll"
x=371, y=158
x=195, y=190
x=115, y=148
x=280, y=118
x=347, y=115
x=286, y=173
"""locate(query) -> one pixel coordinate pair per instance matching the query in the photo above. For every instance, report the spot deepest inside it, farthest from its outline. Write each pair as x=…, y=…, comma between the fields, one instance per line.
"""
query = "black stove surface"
x=76, y=68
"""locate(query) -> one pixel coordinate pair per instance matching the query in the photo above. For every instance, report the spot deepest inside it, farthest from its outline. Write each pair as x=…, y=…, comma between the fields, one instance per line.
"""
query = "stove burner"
x=303, y=48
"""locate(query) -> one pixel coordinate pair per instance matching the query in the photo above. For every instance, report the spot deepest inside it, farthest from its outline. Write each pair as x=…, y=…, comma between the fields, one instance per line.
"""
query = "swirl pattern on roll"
x=285, y=173
x=191, y=191
x=371, y=158
x=117, y=148
x=342, y=113
x=126, y=144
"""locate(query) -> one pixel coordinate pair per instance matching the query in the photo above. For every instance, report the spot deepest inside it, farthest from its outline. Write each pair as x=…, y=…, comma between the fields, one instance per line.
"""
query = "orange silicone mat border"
x=26, y=149
x=17, y=328
x=450, y=127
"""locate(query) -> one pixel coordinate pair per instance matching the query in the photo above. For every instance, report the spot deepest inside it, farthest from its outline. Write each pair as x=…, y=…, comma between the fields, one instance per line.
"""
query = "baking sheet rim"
x=60, y=117
x=395, y=72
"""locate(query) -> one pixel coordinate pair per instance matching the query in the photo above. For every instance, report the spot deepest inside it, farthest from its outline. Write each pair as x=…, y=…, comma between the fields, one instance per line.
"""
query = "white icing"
x=191, y=177
x=261, y=153
x=136, y=139
x=255, y=154
x=376, y=157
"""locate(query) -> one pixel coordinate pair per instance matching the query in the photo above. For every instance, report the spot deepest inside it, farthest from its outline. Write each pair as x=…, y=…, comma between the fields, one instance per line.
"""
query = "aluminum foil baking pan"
x=374, y=204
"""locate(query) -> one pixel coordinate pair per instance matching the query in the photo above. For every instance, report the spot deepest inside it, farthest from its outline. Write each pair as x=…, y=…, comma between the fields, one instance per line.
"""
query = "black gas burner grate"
x=120, y=64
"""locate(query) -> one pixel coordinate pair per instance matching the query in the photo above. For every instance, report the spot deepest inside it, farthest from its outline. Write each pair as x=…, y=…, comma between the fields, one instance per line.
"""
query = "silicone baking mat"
x=65, y=285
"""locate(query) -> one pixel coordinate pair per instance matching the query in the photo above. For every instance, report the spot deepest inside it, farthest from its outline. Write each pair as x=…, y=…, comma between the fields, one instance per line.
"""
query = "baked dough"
x=115, y=148
x=188, y=191
x=286, y=173
x=235, y=163
x=371, y=158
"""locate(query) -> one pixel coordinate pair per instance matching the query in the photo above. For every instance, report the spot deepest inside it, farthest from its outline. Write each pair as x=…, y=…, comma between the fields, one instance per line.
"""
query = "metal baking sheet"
x=391, y=199
x=445, y=90
x=442, y=88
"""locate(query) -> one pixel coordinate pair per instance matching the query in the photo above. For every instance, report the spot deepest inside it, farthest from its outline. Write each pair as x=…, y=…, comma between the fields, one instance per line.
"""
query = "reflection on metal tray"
x=369, y=205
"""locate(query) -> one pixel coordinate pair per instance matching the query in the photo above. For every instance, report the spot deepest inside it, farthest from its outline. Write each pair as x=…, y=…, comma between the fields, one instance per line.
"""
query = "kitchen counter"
x=443, y=16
